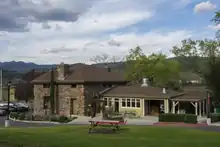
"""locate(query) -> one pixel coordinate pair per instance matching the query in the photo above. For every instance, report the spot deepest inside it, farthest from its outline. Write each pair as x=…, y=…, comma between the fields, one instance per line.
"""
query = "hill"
x=14, y=70
x=22, y=67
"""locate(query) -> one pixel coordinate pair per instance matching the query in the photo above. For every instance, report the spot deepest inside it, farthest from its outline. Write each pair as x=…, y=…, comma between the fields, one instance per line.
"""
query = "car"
x=14, y=107
x=3, y=112
x=21, y=107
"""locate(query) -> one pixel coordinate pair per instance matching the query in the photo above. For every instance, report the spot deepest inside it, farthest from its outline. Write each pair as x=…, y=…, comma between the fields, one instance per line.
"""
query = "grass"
x=131, y=136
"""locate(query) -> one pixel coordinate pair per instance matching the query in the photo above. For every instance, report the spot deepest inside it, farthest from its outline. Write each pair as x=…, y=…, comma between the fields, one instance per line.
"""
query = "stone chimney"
x=62, y=70
x=164, y=91
x=144, y=82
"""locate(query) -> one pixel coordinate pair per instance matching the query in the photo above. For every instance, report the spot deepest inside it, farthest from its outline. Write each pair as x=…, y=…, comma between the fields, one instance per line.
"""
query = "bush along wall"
x=55, y=118
x=215, y=117
x=186, y=118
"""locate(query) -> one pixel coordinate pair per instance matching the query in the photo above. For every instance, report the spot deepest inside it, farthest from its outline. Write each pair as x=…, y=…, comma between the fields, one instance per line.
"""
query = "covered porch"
x=188, y=104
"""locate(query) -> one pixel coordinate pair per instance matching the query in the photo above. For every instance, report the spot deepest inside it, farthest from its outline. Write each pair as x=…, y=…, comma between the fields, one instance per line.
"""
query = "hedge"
x=23, y=116
x=186, y=118
x=215, y=117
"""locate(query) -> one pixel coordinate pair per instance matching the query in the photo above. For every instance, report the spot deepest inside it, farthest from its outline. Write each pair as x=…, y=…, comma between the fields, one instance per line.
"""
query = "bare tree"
x=106, y=58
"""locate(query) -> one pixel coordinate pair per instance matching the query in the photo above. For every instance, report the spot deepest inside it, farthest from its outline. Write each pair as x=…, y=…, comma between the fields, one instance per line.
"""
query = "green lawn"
x=138, y=136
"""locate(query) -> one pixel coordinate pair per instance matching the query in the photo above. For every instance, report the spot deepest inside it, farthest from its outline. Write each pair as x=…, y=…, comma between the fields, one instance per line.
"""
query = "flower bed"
x=49, y=118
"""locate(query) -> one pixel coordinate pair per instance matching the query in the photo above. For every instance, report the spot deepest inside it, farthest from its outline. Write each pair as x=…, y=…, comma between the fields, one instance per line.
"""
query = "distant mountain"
x=23, y=66
x=186, y=65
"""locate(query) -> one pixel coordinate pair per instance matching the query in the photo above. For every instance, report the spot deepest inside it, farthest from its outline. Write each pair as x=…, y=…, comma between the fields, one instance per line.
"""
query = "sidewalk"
x=215, y=124
x=82, y=120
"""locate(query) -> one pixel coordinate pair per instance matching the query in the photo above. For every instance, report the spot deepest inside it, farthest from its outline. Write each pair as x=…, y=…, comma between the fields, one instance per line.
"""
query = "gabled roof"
x=29, y=76
x=191, y=96
x=193, y=93
x=80, y=73
x=141, y=92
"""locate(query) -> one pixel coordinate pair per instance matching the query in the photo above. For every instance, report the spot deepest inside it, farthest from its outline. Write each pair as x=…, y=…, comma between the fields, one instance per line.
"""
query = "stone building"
x=75, y=88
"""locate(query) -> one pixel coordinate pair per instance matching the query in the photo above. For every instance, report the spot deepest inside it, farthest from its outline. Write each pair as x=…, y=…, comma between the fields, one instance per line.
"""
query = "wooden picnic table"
x=113, y=124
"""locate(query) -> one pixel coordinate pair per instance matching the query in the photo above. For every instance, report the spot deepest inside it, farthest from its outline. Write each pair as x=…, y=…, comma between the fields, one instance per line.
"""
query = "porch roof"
x=191, y=96
x=136, y=91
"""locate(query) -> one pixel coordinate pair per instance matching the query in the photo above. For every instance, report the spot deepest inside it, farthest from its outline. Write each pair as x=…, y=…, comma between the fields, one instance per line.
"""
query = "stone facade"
x=68, y=98
x=39, y=93
x=65, y=94
x=81, y=95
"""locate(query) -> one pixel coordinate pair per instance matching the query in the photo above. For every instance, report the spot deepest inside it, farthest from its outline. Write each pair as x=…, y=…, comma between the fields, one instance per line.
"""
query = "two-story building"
x=75, y=88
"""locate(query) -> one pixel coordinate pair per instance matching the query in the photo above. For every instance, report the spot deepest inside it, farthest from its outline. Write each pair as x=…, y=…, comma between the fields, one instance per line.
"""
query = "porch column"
x=113, y=103
x=196, y=108
x=203, y=109
x=143, y=107
x=173, y=107
x=200, y=108
x=166, y=106
x=101, y=107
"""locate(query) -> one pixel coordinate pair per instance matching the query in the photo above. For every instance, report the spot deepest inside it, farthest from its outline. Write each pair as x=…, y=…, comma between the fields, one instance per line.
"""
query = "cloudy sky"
x=51, y=31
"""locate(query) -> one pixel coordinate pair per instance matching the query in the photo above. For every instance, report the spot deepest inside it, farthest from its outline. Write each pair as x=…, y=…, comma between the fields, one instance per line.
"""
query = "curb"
x=34, y=122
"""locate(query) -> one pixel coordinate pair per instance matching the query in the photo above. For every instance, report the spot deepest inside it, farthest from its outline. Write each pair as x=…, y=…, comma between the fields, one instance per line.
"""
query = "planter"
x=217, y=110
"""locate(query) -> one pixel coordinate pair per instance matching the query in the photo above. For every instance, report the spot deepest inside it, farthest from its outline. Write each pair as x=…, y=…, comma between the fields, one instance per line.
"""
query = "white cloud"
x=100, y=28
x=82, y=49
x=204, y=6
x=214, y=27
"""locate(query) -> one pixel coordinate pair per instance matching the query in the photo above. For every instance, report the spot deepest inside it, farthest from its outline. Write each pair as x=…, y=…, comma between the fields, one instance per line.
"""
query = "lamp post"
x=7, y=123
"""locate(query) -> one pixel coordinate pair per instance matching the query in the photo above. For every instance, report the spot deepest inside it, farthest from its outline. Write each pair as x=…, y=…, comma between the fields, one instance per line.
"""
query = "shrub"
x=190, y=118
x=167, y=117
x=215, y=117
x=187, y=118
x=118, y=118
x=14, y=115
x=38, y=117
x=46, y=117
x=63, y=119
x=21, y=116
x=54, y=118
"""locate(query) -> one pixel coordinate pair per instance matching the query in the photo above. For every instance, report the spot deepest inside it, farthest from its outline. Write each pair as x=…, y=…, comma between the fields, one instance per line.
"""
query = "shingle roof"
x=29, y=76
x=191, y=96
x=193, y=93
x=85, y=73
x=142, y=92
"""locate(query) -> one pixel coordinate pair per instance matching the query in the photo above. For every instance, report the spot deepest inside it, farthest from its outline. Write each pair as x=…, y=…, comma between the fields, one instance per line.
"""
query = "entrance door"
x=117, y=106
x=72, y=106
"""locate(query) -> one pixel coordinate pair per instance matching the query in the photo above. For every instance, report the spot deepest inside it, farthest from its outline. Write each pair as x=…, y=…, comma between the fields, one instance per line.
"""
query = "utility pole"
x=1, y=93
x=52, y=84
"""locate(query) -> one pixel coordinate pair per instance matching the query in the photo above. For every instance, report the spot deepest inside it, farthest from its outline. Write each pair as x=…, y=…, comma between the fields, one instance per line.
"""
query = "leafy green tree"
x=155, y=67
x=209, y=51
x=216, y=20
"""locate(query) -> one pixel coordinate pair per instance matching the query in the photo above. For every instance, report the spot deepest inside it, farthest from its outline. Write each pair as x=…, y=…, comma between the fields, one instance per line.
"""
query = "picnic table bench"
x=113, y=124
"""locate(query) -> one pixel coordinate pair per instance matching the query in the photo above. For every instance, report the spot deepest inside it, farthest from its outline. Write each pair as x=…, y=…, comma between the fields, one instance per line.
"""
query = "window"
x=138, y=103
x=46, y=85
x=123, y=102
x=73, y=85
x=131, y=103
x=46, y=102
x=128, y=102
x=105, y=101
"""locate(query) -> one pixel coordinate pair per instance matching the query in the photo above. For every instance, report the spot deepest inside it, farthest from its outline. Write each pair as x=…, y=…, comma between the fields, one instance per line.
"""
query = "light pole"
x=7, y=123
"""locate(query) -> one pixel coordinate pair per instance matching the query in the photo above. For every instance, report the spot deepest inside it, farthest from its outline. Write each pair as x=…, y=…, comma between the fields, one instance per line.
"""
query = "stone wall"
x=66, y=93
x=39, y=93
x=82, y=95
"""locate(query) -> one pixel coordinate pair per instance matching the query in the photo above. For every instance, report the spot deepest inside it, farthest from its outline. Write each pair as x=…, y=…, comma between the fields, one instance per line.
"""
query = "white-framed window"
x=123, y=102
x=108, y=101
x=131, y=103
